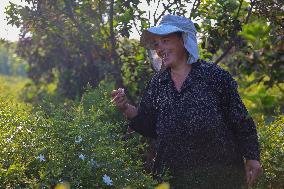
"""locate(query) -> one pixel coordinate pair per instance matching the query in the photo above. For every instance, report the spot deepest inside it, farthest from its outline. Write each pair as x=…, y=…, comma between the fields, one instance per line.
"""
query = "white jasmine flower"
x=29, y=131
x=78, y=139
x=82, y=157
x=41, y=158
x=86, y=126
x=107, y=180
x=121, y=91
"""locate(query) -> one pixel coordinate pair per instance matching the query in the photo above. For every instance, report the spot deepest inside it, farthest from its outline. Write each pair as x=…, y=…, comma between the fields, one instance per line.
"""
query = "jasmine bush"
x=83, y=143
x=80, y=143
x=271, y=137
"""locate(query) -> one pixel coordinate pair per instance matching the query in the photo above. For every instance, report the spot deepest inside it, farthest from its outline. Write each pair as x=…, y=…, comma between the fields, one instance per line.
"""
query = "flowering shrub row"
x=79, y=143
x=82, y=145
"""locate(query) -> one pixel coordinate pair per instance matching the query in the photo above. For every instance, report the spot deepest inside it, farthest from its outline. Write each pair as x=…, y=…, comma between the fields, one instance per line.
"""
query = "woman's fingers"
x=119, y=98
x=122, y=103
x=248, y=175
x=254, y=175
x=114, y=93
x=253, y=171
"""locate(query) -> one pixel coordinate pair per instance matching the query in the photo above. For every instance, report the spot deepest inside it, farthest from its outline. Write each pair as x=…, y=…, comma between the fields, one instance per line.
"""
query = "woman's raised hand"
x=119, y=99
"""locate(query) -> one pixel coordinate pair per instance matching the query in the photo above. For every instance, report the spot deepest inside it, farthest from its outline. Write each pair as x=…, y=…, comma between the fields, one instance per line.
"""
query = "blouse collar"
x=195, y=72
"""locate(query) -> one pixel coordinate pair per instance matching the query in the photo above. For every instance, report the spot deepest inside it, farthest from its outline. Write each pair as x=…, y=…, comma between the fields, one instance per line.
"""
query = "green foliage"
x=271, y=139
x=135, y=70
x=260, y=99
x=12, y=87
x=245, y=36
x=221, y=20
x=74, y=142
x=92, y=128
x=256, y=33
x=75, y=43
x=66, y=44
x=36, y=94
x=10, y=63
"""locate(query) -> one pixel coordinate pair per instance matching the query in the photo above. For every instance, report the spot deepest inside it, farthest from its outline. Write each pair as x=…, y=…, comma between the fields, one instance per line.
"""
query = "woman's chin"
x=168, y=64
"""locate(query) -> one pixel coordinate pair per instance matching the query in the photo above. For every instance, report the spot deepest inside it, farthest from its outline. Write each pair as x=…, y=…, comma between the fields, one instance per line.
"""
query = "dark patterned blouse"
x=203, y=133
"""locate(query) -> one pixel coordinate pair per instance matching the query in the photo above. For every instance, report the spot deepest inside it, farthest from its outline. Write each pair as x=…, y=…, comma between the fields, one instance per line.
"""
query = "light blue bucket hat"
x=170, y=24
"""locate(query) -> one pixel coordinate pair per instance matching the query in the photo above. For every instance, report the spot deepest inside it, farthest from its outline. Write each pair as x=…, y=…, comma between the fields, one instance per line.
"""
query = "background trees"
x=74, y=42
x=10, y=63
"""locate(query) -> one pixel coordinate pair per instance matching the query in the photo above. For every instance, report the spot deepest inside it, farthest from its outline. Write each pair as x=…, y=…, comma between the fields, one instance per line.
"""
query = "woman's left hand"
x=253, y=171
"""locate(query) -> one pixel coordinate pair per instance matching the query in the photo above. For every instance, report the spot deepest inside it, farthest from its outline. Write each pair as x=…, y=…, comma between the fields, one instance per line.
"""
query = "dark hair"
x=179, y=34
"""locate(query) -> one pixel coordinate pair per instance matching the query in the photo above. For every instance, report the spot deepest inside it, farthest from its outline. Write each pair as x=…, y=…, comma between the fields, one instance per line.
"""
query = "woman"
x=204, y=134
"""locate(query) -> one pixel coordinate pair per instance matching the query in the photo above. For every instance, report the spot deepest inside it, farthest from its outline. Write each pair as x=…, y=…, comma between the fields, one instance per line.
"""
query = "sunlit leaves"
x=256, y=33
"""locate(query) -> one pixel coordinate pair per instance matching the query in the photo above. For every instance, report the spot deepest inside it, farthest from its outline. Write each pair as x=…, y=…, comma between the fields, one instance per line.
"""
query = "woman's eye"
x=165, y=40
x=155, y=44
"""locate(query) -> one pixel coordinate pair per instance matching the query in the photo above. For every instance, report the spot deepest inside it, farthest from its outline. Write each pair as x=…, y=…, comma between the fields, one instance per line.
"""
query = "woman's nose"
x=159, y=47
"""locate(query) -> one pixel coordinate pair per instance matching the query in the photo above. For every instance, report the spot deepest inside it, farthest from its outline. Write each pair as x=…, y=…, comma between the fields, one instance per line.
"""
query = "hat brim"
x=148, y=35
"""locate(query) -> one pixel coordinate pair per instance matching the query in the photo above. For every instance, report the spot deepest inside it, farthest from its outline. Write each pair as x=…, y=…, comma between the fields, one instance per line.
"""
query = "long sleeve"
x=144, y=123
x=237, y=116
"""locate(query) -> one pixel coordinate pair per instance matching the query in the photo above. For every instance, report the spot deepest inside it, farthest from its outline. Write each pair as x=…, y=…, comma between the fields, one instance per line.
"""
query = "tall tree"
x=75, y=42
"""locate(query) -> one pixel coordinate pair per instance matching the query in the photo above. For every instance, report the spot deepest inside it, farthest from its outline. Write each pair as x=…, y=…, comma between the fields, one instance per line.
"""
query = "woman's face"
x=170, y=49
